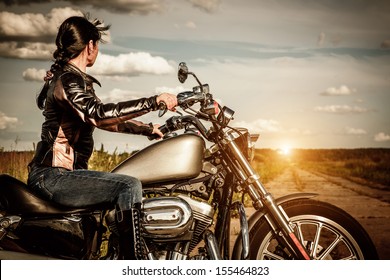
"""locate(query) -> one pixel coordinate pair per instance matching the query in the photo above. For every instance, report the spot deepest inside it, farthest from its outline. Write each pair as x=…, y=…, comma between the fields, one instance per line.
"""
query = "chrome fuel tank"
x=176, y=158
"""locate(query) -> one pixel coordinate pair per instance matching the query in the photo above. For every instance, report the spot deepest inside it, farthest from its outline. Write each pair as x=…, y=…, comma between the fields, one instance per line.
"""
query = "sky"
x=303, y=74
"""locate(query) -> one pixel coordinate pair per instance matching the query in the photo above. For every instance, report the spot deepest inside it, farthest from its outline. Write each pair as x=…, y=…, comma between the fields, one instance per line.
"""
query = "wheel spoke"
x=300, y=234
x=272, y=256
x=316, y=241
x=351, y=257
x=331, y=247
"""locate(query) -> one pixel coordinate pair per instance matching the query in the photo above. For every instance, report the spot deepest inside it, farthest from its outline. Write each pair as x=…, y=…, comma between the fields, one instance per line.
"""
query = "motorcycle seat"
x=16, y=198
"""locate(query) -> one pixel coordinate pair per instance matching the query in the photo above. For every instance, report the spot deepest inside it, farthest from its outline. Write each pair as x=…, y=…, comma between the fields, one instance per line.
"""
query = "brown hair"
x=72, y=37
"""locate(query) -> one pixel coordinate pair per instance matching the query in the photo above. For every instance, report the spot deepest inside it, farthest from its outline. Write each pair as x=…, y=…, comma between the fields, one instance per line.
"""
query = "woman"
x=58, y=171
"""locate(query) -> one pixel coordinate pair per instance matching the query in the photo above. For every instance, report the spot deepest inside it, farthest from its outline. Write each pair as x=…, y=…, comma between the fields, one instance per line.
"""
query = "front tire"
x=327, y=232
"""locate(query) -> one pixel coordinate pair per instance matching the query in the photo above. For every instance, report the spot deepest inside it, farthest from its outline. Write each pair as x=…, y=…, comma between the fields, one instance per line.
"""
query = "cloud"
x=355, y=131
x=342, y=90
x=208, y=6
x=34, y=75
x=30, y=25
x=125, y=6
x=120, y=6
x=28, y=50
x=131, y=64
x=271, y=126
x=30, y=35
x=175, y=90
x=341, y=109
x=117, y=95
x=260, y=125
x=190, y=25
x=7, y=122
x=381, y=137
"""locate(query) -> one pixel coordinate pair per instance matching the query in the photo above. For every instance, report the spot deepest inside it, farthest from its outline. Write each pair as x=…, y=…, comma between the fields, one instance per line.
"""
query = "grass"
x=369, y=165
x=15, y=163
x=269, y=164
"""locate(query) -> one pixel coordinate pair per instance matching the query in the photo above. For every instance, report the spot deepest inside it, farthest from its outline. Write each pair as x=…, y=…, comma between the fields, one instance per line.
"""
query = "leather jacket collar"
x=88, y=78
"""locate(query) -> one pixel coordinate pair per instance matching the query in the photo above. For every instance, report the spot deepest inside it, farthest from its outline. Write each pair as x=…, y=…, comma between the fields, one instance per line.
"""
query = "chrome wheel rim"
x=323, y=238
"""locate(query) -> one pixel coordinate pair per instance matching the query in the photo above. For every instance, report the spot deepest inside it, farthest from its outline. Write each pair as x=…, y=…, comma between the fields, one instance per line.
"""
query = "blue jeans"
x=83, y=188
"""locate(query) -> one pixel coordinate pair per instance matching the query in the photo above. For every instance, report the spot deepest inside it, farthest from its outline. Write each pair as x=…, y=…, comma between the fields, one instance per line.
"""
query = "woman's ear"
x=91, y=47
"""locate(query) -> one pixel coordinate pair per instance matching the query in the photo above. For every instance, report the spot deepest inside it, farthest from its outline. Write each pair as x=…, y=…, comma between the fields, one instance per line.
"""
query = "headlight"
x=245, y=141
x=251, y=145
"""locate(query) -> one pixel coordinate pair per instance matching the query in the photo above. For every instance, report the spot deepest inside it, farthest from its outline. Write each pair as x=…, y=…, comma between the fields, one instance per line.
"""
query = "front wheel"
x=327, y=232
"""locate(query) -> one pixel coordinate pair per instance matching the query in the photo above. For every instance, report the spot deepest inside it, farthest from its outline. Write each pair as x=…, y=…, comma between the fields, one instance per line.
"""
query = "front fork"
x=277, y=218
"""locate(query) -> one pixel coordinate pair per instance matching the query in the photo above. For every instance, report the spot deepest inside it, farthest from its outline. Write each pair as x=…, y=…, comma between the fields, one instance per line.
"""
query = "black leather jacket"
x=72, y=111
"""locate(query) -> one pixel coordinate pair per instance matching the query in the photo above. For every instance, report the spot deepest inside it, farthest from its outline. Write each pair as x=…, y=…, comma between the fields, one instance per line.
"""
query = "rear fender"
x=237, y=249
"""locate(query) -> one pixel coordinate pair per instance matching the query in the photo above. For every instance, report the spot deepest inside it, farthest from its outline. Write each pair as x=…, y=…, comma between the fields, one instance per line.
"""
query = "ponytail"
x=61, y=60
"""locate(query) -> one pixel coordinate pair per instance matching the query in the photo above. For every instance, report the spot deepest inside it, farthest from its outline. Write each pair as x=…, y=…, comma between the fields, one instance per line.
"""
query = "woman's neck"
x=80, y=62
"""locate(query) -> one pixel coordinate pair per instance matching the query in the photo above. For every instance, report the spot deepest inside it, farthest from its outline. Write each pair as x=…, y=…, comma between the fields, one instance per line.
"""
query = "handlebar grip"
x=164, y=129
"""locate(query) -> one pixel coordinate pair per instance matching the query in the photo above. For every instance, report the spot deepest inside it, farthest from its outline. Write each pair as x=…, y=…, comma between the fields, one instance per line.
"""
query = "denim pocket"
x=39, y=188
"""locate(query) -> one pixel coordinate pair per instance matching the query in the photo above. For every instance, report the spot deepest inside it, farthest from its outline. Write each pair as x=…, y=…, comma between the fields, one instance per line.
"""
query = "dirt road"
x=370, y=206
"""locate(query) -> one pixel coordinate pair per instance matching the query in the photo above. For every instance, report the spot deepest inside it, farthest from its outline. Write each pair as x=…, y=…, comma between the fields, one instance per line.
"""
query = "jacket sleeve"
x=72, y=93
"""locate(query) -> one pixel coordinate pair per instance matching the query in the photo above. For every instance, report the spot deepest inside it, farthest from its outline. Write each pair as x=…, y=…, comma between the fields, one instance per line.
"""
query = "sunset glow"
x=285, y=150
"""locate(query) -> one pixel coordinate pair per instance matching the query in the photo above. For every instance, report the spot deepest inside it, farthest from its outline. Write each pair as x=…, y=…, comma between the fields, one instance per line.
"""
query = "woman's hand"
x=169, y=99
x=49, y=76
x=156, y=130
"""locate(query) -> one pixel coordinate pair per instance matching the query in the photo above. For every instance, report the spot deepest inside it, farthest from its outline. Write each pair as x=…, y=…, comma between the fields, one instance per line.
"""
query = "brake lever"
x=162, y=106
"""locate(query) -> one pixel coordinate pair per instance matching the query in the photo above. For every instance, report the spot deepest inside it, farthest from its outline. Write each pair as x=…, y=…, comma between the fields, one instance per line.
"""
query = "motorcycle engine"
x=176, y=218
x=169, y=222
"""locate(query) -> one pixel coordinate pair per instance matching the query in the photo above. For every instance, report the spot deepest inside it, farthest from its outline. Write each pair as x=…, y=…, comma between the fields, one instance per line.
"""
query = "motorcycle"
x=190, y=183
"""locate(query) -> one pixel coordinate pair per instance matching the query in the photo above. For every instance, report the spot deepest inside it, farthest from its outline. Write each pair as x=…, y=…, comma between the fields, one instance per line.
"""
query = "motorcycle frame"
x=241, y=169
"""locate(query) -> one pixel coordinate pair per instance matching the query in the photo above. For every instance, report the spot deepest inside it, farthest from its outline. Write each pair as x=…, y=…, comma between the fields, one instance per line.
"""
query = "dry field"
x=366, y=166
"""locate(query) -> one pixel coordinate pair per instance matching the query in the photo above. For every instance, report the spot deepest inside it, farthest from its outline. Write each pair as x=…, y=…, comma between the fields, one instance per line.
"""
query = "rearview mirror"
x=182, y=74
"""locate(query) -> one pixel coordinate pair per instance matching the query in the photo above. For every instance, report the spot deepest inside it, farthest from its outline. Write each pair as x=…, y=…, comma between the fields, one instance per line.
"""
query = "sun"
x=286, y=150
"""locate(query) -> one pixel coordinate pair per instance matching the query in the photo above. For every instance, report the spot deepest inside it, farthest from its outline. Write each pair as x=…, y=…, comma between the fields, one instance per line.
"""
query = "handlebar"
x=179, y=122
x=198, y=94
x=170, y=125
x=185, y=100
